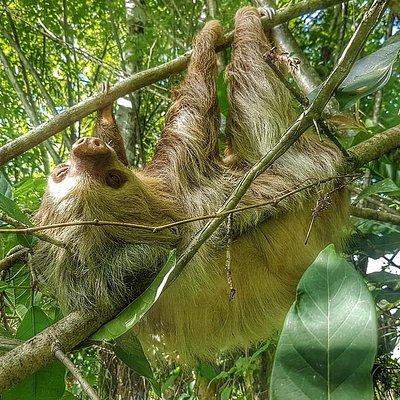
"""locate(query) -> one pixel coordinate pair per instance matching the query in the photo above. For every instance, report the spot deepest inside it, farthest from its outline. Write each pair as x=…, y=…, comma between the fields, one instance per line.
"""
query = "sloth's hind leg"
x=260, y=105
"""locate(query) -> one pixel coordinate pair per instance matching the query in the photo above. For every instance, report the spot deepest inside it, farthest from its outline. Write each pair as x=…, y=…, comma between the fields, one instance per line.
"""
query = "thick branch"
x=375, y=147
x=369, y=213
x=134, y=82
x=33, y=354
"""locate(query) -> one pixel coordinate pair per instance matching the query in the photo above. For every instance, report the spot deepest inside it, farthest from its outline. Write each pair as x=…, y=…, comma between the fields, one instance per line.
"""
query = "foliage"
x=72, y=47
x=331, y=324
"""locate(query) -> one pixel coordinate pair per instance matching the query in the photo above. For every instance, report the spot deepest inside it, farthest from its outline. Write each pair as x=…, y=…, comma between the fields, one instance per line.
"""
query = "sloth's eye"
x=115, y=179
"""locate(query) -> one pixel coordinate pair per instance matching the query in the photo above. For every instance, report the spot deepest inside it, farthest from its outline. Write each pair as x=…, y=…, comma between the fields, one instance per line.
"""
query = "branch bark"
x=135, y=82
x=369, y=213
x=374, y=147
x=33, y=354
x=11, y=259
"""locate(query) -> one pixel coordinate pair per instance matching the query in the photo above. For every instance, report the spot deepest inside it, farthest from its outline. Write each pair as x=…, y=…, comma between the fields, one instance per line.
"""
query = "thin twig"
x=61, y=356
x=18, y=225
x=155, y=229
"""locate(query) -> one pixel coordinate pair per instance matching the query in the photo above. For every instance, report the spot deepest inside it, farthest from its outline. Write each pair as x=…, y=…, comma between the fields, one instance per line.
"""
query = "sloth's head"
x=102, y=264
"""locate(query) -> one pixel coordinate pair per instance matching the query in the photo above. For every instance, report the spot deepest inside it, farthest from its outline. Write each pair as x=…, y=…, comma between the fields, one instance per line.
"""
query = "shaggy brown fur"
x=188, y=177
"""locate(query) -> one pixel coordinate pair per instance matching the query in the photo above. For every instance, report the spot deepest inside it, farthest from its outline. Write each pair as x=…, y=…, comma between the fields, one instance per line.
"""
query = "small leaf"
x=226, y=393
x=329, y=340
x=5, y=187
x=391, y=296
x=207, y=370
x=367, y=75
x=383, y=186
x=132, y=314
x=171, y=379
x=222, y=95
x=384, y=278
x=11, y=208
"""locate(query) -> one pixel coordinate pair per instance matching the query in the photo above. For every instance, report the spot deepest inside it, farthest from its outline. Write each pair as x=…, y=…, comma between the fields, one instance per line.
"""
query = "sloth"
x=107, y=265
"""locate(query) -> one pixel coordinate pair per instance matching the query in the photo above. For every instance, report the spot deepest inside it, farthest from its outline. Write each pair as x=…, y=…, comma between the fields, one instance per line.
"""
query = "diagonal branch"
x=135, y=82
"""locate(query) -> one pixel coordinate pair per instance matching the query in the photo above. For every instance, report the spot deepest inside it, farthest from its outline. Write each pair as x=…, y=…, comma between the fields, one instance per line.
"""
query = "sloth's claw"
x=266, y=11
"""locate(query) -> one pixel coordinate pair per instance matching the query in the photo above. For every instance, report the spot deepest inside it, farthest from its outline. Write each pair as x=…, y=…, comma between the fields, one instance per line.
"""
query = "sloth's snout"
x=91, y=147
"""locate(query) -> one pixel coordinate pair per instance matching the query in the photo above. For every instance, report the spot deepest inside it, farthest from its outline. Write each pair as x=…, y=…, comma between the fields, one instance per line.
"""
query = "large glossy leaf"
x=329, y=340
x=48, y=383
x=367, y=75
x=132, y=314
x=129, y=350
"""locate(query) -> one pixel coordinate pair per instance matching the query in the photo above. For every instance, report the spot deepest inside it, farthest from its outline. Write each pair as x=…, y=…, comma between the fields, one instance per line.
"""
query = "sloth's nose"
x=91, y=147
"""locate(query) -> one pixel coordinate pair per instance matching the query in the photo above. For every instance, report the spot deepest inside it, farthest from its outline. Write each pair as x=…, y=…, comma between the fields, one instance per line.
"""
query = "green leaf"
x=222, y=95
x=226, y=393
x=5, y=187
x=48, y=383
x=383, y=278
x=129, y=350
x=367, y=75
x=373, y=245
x=132, y=314
x=383, y=186
x=207, y=370
x=11, y=208
x=173, y=376
x=68, y=396
x=329, y=340
x=391, y=296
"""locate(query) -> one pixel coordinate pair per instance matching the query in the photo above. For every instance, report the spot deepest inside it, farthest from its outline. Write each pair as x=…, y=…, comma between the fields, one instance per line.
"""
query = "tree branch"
x=369, y=213
x=36, y=352
x=20, y=254
x=135, y=82
x=59, y=354
x=374, y=147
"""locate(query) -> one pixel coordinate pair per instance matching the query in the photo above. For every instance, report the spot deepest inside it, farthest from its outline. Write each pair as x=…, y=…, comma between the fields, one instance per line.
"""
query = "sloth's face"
x=93, y=163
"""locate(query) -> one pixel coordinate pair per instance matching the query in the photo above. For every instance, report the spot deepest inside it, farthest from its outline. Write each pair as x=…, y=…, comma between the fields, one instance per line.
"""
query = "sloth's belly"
x=196, y=317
